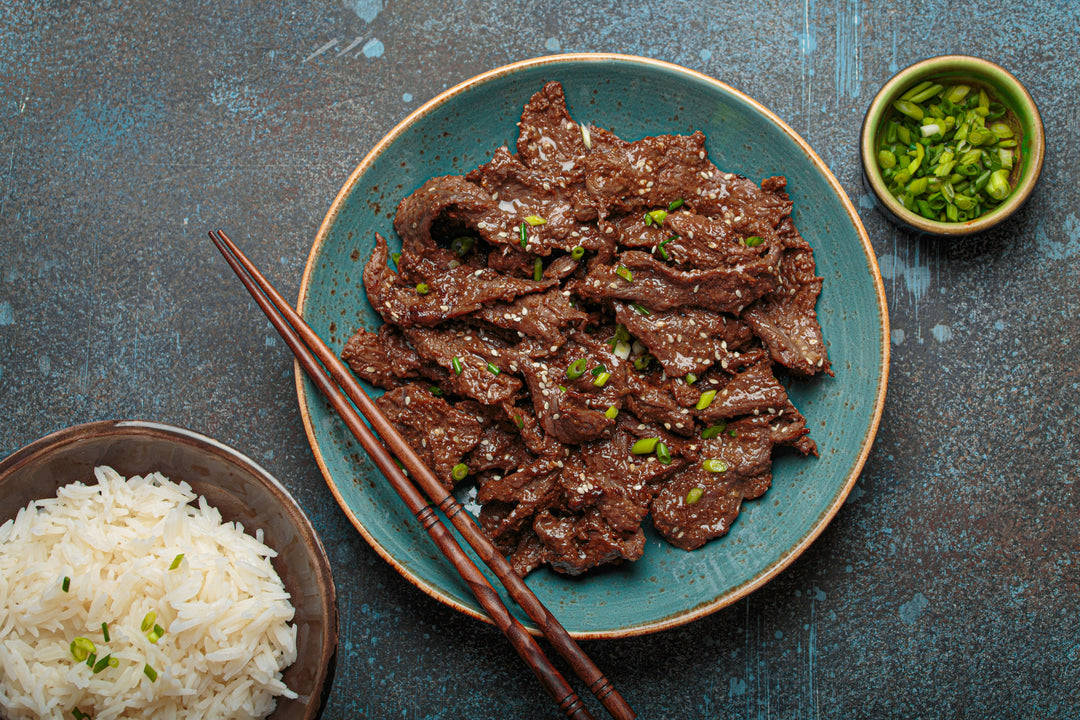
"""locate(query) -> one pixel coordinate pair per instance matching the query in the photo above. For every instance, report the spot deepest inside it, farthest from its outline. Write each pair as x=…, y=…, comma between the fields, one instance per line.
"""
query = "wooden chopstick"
x=310, y=351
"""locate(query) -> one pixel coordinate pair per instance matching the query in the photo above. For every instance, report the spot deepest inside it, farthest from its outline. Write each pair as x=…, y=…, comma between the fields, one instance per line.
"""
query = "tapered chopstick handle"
x=526, y=646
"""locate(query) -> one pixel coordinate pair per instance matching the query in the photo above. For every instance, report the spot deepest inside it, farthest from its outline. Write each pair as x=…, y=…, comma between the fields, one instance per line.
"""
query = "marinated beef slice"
x=591, y=327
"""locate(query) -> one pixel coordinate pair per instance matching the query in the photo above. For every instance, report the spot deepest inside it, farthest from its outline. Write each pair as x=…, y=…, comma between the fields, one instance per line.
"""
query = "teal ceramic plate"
x=633, y=97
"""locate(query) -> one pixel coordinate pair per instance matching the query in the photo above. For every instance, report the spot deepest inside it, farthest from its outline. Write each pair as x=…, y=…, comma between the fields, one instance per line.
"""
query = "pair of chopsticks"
x=335, y=381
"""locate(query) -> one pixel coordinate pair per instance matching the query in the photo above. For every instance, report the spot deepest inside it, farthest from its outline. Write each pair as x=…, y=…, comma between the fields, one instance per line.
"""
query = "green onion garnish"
x=148, y=621
x=624, y=272
x=102, y=664
x=91, y=660
x=706, y=399
x=640, y=363
x=436, y=391
x=663, y=454
x=396, y=257
x=462, y=245
x=642, y=310
x=519, y=421
x=455, y=363
x=598, y=370
x=712, y=431
x=105, y=631
x=576, y=369
x=459, y=472
x=644, y=446
x=577, y=253
x=538, y=269
x=150, y=673
x=66, y=584
x=655, y=217
x=753, y=241
x=176, y=561
x=675, y=205
x=535, y=220
x=154, y=635
x=492, y=369
x=422, y=289
x=80, y=715
x=611, y=413
x=602, y=379
x=660, y=247
x=694, y=495
x=714, y=466
x=690, y=378
x=81, y=648
x=523, y=235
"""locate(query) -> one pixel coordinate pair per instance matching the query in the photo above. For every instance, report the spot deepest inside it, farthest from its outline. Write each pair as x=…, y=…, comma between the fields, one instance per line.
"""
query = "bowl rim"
x=992, y=74
x=131, y=428
x=823, y=520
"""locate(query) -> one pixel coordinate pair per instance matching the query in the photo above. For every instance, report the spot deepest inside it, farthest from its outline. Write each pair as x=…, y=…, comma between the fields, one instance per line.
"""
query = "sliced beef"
x=688, y=340
x=385, y=359
x=545, y=316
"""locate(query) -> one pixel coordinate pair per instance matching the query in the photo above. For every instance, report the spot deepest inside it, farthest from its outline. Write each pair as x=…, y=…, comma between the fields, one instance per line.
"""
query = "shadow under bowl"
x=241, y=490
x=1003, y=87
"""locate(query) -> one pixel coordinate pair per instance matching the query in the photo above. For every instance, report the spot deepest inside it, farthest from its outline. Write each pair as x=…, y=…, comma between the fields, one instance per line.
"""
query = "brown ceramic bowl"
x=240, y=489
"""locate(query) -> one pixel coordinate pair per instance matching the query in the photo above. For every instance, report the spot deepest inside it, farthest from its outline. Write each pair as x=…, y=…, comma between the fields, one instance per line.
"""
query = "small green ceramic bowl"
x=634, y=97
x=1003, y=87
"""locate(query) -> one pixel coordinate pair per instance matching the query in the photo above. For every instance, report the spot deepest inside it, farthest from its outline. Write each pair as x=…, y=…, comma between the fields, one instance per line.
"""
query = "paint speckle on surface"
x=867, y=201
x=553, y=45
x=406, y=97
x=847, y=50
x=323, y=48
x=44, y=364
x=373, y=48
x=897, y=336
x=1068, y=247
x=366, y=10
x=942, y=333
x=7, y=313
x=705, y=55
x=913, y=609
x=916, y=277
x=736, y=687
x=999, y=325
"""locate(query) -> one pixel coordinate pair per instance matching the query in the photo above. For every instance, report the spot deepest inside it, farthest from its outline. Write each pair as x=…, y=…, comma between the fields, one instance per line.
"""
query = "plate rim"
x=785, y=559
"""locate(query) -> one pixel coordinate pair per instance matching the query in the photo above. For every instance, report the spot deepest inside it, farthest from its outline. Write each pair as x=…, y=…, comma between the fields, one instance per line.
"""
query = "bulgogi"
x=587, y=330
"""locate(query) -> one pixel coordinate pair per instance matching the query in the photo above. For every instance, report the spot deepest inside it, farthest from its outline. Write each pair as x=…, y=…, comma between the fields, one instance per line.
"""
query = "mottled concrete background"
x=945, y=588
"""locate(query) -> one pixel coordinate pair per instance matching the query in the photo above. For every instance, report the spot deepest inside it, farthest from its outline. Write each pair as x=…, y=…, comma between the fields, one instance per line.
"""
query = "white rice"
x=225, y=611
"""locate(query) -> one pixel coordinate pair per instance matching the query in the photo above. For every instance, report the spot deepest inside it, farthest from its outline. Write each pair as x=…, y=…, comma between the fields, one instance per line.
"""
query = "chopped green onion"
x=562, y=388
x=621, y=349
x=998, y=186
x=535, y=220
x=462, y=245
x=523, y=235
x=154, y=635
x=396, y=257
x=706, y=399
x=576, y=369
x=714, y=466
x=66, y=584
x=712, y=431
x=148, y=621
x=611, y=413
x=675, y=205
x=81, y=648
x=644, y=446
x=621, y=333
x=538, y=269
x=455, y=363
x=602, y=379
x=150, y=673
x=102, y=664
x=753, y=241
x=640, y=363
x=694, y=495
x=519, y=421
x=422, y=289
x=663, y=454
x=660, y=247
x=624, y=272
x=577, y=253
x=176, y=561
x=598, y=370
x=80, y=715
x=690, y=378
x=105, y=631
x=492, y=369
x=91, y=660
x=460, y=472
x=910, y=109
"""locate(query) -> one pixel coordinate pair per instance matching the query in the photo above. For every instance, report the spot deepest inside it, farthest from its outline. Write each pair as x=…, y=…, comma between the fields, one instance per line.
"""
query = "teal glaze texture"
x=634, y=98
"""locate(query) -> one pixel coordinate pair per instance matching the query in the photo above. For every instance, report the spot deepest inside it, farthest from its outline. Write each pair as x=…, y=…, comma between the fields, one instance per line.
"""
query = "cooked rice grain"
x=225, y=610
